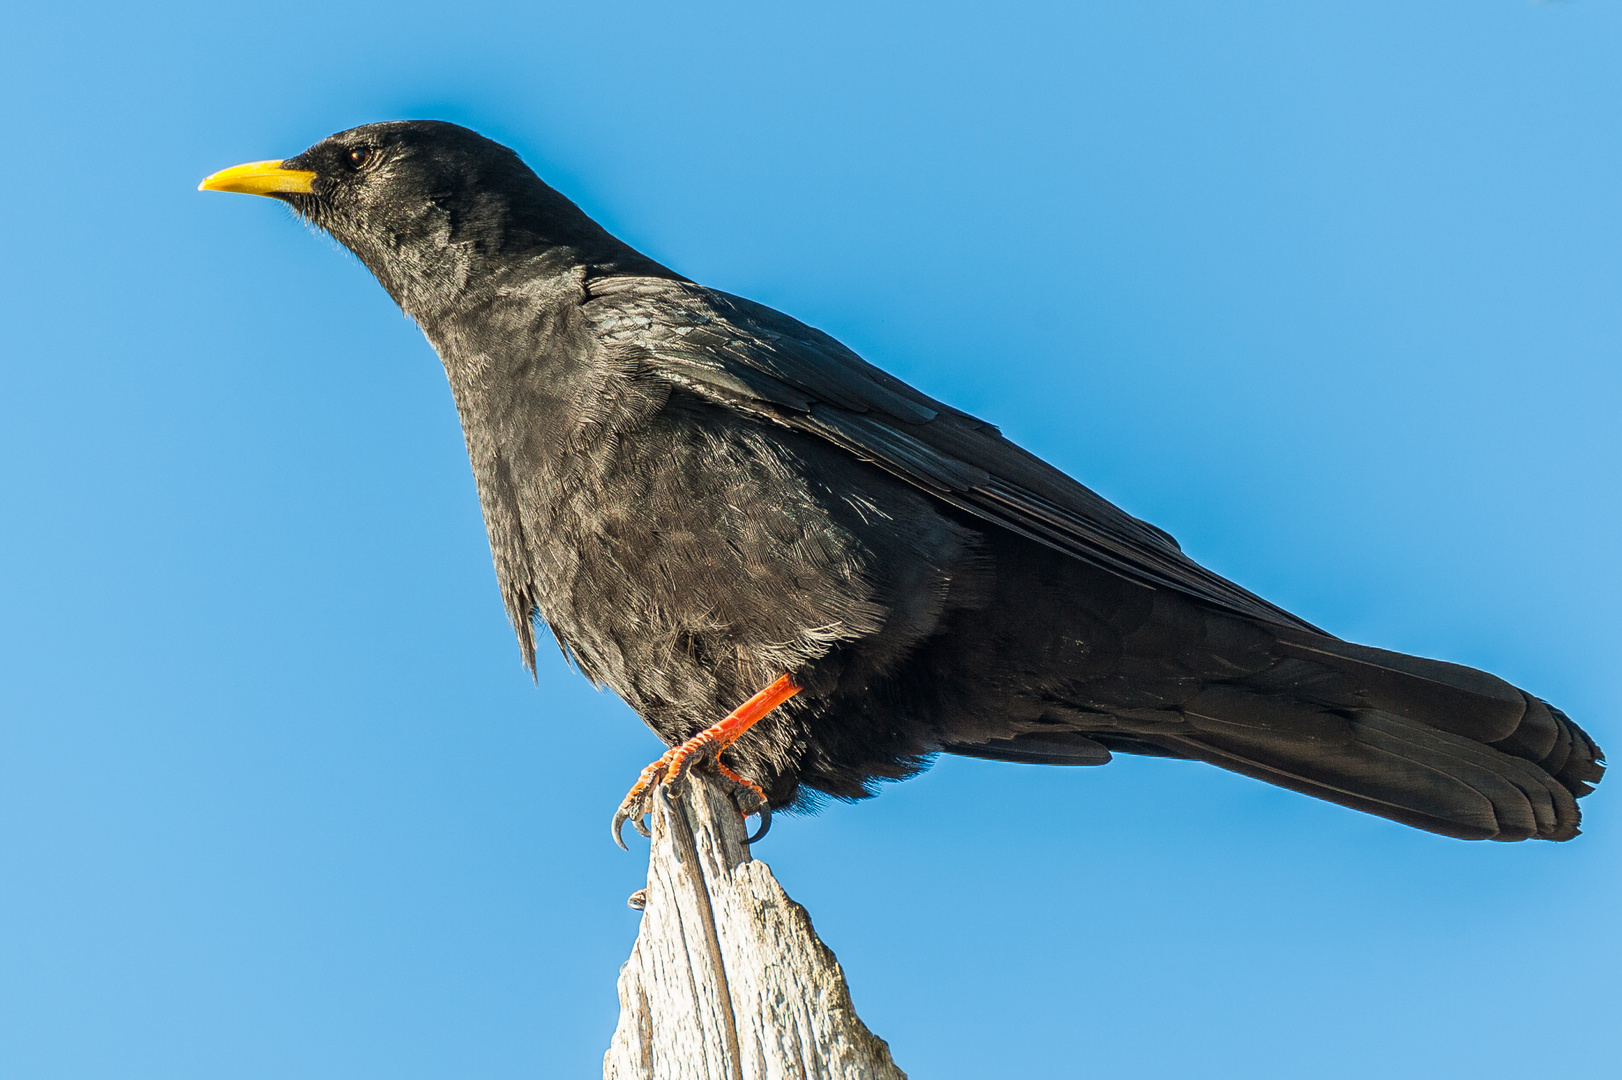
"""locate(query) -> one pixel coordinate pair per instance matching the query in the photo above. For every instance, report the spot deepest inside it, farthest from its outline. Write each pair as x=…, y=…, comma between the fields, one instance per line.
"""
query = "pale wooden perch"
x=727, y=980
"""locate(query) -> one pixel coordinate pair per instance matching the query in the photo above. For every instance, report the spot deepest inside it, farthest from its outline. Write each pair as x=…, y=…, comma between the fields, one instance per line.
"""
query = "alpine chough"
x=708, y=502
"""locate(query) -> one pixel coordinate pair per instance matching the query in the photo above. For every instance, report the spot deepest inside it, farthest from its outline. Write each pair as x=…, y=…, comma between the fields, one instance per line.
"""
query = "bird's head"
x=433, y=210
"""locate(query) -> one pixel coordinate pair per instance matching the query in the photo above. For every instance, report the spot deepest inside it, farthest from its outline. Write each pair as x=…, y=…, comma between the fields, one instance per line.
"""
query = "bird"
x=808, y=577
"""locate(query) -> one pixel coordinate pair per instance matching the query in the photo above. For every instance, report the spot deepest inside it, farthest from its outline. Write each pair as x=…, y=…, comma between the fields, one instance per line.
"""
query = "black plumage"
x=698, y=494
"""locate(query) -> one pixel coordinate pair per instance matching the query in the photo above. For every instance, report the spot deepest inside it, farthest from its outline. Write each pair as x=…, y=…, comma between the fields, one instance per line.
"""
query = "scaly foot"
x=706, y=747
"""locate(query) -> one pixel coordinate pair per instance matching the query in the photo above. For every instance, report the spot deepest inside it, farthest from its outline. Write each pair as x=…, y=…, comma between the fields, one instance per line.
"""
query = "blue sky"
x=1331, y=291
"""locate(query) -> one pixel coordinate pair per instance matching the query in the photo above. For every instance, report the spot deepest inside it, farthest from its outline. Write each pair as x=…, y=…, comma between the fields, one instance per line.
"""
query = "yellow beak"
x=259, y=178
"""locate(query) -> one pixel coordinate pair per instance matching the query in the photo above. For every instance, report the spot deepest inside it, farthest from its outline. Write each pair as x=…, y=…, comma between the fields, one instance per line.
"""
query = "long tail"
x=1431, y=744
x=1434, y=745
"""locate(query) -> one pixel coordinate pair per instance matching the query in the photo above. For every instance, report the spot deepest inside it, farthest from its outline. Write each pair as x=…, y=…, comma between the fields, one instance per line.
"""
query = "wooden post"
x=727, y=980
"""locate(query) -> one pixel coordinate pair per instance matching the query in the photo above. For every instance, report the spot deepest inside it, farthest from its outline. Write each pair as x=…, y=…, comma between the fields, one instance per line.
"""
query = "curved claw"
x=765, y=813
x=633, y=809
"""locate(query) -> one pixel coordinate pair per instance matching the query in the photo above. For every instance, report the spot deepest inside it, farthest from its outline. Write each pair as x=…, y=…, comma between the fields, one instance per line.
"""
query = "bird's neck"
x=444, y=259
x=532, y=384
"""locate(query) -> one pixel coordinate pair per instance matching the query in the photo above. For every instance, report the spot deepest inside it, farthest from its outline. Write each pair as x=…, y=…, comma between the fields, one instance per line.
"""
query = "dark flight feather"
x=751, y=357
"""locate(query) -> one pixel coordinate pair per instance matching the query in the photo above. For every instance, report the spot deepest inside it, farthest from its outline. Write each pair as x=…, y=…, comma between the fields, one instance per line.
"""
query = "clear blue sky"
x=1332, y=291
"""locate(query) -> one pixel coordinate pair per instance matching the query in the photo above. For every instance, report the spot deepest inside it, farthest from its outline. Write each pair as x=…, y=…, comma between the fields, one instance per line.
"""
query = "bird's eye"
x=360, y=157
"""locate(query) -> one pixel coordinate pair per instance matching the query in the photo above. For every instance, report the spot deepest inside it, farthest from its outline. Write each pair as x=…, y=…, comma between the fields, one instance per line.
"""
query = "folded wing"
x=1431, y=744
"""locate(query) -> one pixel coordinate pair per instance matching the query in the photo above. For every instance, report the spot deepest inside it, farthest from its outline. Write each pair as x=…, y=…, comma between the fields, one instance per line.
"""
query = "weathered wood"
x=727, y=980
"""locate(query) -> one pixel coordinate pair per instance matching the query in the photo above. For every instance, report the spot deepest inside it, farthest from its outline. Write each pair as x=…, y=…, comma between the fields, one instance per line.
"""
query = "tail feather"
x=1526, y=801
x=1537, y=736
x=1447, y=696
x=1397, y=762
x=1468, y=817
x=1432, y=744
x=1576, y=761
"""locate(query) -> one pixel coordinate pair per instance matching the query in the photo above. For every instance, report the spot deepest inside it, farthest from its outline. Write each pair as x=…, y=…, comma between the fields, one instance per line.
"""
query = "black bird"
x=708, y=502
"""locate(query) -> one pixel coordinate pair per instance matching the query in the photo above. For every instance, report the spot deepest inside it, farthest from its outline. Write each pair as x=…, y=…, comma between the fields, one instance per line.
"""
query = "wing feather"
x=752, y=358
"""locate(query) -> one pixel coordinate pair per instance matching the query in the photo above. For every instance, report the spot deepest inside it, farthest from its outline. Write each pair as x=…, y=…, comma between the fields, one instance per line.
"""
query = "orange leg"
x=706, y=746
